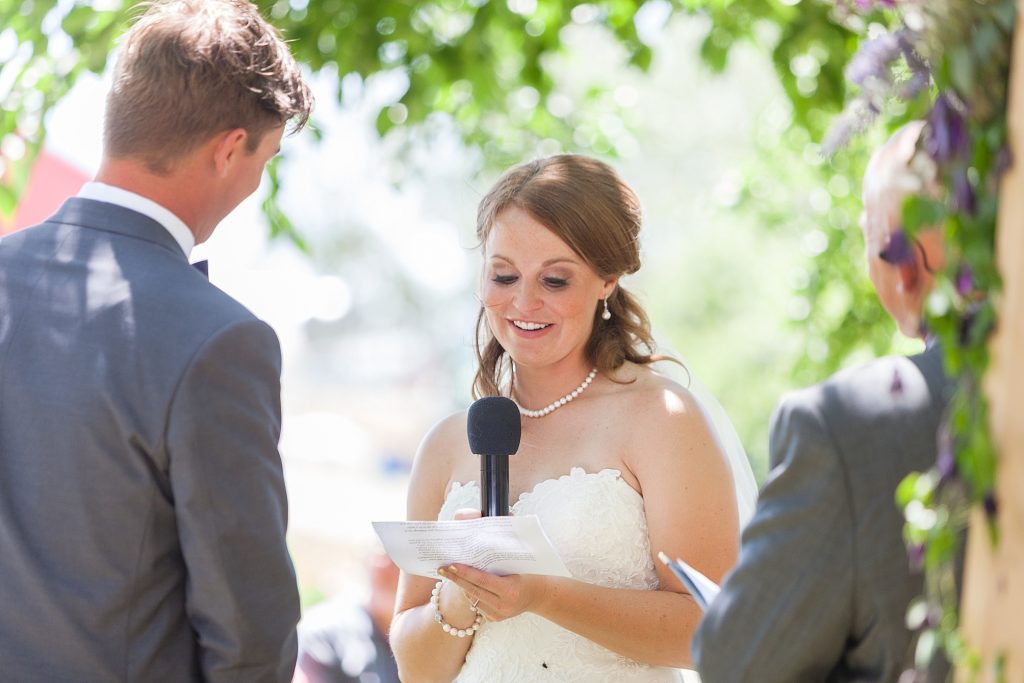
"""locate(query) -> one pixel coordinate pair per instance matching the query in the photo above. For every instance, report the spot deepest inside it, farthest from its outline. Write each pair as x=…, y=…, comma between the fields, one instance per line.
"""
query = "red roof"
x=51, y=181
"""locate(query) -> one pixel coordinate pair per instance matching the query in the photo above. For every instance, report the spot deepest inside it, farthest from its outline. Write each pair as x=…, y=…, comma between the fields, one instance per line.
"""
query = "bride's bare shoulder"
x=656, y=395
x=446, y=437
x=442, y=453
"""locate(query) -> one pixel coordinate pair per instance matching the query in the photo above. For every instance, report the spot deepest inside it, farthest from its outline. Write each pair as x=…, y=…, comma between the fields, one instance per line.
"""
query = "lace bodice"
x=597, y=523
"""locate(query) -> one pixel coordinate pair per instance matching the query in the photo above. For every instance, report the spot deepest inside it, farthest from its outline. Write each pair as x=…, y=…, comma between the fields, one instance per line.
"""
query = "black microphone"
x=494, y=431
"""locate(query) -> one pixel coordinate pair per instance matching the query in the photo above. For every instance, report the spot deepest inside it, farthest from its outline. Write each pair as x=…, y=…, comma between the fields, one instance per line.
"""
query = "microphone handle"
x=494, y=485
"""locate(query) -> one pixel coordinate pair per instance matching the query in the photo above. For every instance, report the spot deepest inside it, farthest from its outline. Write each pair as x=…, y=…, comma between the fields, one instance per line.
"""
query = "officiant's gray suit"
x=142, y=506
x=824, y=581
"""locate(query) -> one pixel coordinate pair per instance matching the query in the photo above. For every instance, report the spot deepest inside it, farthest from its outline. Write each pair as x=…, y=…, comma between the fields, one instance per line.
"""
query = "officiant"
x=824, y=581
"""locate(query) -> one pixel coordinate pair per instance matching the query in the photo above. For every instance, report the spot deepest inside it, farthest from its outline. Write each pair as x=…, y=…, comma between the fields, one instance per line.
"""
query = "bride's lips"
x=530, y=334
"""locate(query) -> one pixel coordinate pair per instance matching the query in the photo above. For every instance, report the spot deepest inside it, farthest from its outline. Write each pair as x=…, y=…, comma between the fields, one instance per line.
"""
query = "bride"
x=617, y=460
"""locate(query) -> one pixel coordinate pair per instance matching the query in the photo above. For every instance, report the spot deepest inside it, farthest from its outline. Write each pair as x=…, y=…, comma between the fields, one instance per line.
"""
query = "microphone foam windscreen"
x=494, y=426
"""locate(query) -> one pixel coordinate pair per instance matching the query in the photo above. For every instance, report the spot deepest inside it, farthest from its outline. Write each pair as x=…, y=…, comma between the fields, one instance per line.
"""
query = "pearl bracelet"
x=435, y=599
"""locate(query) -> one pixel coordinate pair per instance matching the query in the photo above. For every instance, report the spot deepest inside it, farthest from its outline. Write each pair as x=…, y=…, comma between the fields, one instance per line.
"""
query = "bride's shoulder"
x=444, y=445
x=667, y=420
x=446, y=434
x=442, y=451
x=654, y=393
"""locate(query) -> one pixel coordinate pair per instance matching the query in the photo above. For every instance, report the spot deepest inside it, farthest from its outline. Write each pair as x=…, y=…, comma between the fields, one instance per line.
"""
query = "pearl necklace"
x=555, y=405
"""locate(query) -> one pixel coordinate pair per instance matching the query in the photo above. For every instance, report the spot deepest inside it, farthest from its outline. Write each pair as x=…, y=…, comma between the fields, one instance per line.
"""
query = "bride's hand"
x=497, y=597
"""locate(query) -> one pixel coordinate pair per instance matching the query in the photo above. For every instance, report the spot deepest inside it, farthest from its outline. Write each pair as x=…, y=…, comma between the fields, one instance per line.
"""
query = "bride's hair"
x=590, y=208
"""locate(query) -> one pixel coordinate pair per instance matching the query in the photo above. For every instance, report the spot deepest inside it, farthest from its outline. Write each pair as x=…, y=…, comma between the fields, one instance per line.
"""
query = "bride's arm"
x=691, y=513
x=423, y=651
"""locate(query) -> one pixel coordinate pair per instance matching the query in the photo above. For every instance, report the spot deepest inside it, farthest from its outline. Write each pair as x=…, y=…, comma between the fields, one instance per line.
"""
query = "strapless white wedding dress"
x=597, y=523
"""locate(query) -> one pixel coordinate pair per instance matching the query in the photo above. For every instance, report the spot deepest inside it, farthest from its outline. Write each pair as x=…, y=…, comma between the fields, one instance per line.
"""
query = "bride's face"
x=540, y=296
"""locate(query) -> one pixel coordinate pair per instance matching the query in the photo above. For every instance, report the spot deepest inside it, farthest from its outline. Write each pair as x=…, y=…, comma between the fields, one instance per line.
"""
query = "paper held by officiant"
x=500, y=545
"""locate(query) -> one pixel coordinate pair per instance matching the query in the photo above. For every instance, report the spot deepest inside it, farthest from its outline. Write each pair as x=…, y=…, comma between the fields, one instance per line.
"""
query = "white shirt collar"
x=101, y=192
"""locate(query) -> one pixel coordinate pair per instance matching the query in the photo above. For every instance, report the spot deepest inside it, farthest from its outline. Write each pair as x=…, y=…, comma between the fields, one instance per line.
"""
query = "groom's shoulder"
x=213, y=303
x=881, y=389
x=183, y=310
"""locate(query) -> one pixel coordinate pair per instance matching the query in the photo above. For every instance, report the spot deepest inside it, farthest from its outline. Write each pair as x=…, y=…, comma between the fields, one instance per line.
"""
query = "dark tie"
x=203, y=267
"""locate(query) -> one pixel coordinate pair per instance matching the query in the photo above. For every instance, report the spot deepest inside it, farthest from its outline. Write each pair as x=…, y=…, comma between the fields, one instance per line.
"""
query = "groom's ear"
x=228, y=147
x=909, y=276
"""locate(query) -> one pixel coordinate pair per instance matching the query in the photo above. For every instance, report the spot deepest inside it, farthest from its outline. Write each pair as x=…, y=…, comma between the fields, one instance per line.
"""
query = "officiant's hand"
x=497, y=597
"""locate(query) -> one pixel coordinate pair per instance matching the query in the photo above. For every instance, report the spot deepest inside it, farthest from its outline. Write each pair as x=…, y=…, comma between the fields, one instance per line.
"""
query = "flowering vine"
x=946, y=61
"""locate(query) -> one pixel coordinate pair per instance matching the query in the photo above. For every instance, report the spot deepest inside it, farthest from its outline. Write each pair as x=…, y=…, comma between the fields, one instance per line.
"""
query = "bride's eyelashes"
x=556, y=282
x=549, y=282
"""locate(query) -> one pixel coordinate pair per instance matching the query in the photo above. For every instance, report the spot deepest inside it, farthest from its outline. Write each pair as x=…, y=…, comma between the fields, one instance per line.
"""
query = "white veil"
x=736, y=455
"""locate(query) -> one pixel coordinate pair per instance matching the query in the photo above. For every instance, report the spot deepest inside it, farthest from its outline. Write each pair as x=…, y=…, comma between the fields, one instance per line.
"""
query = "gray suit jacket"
x=823, y=583
x=142, y=505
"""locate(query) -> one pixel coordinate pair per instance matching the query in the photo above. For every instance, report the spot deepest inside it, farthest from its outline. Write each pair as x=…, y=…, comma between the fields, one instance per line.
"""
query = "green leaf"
x=961, y=69
x=905, y=490
x=280, y=224
x=1005, y=13
x=921, y=213
x=714, y=55
x=8, y=203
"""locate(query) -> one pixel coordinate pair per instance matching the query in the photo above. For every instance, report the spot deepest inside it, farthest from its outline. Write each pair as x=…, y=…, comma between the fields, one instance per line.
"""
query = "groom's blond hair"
x=189, y=69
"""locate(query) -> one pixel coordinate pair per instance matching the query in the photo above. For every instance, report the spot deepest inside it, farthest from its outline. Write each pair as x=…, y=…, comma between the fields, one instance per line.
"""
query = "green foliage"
x=42, y=70
x=488, y=68
x=791, y=187
x=922, y=212
x=479, y=62
x=280, y=224
x=808, y=50
x=965, y=47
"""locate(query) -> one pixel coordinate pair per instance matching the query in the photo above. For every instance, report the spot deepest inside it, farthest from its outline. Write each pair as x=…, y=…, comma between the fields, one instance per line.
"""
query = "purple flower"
x=946, y=134
x=964, y=199
x=909, y=89
x=964, y=280
x=896, y=388
x=897, y=251
x=915, y=553
x=921, y=76
x=946, y=460
x=991, y=505
x=857, y=117
x=873, y=58
x=914, y=60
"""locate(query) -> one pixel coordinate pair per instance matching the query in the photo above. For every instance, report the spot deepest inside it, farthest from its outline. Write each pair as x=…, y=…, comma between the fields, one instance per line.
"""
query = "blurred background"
x=358, y=248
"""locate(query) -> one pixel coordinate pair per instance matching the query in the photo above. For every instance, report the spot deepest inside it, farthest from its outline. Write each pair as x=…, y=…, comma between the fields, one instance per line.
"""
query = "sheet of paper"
x=500, y=545
x=701, y=587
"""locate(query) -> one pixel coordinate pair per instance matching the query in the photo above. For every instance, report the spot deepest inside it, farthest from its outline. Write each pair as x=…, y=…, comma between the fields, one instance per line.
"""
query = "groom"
x=823, y=582
x=142, y=506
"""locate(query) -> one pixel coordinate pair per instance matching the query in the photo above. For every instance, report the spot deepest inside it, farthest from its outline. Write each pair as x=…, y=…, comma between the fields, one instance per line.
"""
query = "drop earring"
x=606, y=315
